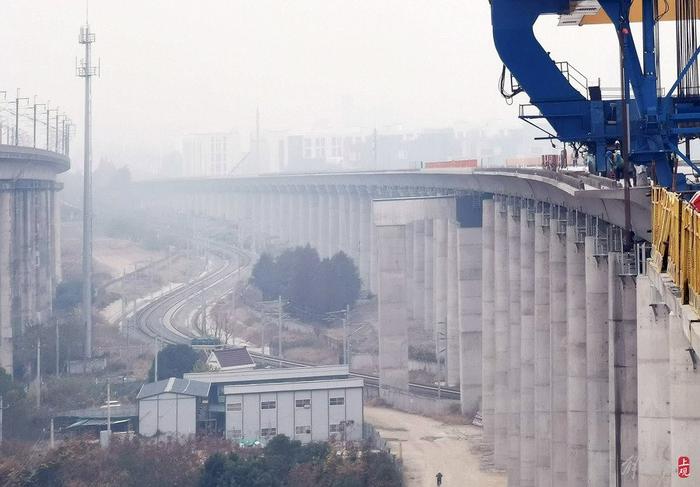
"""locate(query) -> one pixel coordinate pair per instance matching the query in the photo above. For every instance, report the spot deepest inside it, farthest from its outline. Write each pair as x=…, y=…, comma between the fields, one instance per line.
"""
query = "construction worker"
x=618, y=162
x=609, y=164
x=439, y=478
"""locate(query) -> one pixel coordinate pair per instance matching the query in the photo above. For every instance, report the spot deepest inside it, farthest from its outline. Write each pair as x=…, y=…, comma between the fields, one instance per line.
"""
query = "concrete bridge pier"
x=576, y=360
x=281, y=218
x=373, y=255
x=469, y=289
x=440, y=287
x=365, y=247
x=410, y=308
x=543, y=425
x=501, y=335
x=5, y=284
x=311, y=217
x=55, y=236
x=333, y=222
x=527, y=345
x=324, y=222
x=558, y=341
x=304, y=217
x=392, y=220
x=354, y=222
x=684, y=389
x=622, y=306
x=418, y=285
x=597, y=361
x=514, y=339
x=393, y=337
x=343, y=222
x=654, y=436
x=487, y=320
x=429, y=266
x=453, y=333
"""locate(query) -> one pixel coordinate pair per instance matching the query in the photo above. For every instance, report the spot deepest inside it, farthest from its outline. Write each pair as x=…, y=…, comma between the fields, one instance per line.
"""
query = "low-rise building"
x=228, y=359
x=173, y=407
x=304, y=403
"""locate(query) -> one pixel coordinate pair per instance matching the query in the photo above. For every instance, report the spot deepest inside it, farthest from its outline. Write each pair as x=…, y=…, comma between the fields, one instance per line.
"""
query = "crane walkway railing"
x=676, y=242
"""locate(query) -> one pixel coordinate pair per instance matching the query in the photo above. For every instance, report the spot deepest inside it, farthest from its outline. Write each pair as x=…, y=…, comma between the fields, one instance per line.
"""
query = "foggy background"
x=174, y=67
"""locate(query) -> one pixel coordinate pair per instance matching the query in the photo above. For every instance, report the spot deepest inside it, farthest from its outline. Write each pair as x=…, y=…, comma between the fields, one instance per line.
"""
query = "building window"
x=234, y=406
x=236, y=434
x=303, y=430
x=335, y=428
x=337, y=401
x=303, y=403
x=268, y=432
x=268, y=405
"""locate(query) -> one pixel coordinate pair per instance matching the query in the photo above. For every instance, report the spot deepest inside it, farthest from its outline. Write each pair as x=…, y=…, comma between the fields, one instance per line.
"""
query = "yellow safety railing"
x=676, y=242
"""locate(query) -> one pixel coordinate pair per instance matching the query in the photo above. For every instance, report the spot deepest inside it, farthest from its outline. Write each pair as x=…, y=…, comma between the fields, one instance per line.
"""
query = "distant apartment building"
x=399, y=149
x=225, y=153
x=211, y=154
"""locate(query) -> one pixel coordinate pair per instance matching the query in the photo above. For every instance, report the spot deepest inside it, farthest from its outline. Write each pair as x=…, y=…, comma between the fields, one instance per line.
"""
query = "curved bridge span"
x=30, y=240
x=573, y=350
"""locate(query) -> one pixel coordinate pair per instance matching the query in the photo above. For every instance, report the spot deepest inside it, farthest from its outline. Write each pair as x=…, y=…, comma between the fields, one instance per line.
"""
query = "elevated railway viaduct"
x=576, y=352
x=30, y=234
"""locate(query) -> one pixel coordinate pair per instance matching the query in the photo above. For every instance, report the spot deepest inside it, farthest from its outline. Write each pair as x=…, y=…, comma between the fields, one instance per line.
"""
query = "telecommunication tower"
x=86, y=70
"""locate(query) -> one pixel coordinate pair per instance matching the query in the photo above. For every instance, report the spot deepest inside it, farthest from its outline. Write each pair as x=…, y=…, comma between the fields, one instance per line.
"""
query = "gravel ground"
x=428, y=446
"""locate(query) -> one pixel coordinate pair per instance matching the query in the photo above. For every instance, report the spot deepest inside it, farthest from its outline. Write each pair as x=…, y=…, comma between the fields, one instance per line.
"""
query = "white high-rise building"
x=211, y=154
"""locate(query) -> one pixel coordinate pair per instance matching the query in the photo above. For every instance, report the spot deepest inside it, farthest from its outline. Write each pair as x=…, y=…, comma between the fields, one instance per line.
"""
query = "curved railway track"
x=155, y=319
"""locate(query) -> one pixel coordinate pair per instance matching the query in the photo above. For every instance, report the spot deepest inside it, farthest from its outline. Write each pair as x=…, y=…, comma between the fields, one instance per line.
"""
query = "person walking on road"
x=439, y=478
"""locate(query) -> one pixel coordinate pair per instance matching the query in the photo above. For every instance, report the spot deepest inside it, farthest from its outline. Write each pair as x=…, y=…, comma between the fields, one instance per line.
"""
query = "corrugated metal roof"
x=95, y=422
x=174, y=385
x=233, y=357
x=121, y=411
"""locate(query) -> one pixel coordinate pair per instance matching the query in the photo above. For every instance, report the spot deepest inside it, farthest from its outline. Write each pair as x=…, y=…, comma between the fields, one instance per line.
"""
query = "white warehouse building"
x=304, y=403
x=170, y=407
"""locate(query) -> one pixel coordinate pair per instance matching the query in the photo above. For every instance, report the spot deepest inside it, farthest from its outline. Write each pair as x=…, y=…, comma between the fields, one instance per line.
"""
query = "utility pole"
x=58, y=351
x=109, y=408
x=56, y=139
x=2, y=407
x=48, y=123
x=86, y=70
x=374, y=148
x=257, y=138
x=439, y=334
x=38, y=369
x=17, y=100
x=345, y=334
x=36, y=105
x=155, y=367
x=279, y=329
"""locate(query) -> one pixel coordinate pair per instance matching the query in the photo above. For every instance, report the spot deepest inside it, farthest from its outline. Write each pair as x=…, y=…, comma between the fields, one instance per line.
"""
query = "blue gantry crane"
x=654, y=127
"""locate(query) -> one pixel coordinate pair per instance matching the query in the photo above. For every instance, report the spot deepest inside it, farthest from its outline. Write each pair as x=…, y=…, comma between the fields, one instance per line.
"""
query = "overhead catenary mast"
x=86, y=70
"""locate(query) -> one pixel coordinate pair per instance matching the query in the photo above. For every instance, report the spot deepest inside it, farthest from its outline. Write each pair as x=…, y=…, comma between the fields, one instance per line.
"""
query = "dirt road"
x=428, y=446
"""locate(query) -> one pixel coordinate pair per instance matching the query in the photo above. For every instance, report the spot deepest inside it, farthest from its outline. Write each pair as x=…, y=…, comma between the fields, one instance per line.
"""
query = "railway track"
x=156, y=318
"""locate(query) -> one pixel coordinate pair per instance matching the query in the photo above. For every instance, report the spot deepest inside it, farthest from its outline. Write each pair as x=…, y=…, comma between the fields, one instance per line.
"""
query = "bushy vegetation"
x=286, y=463
x=174, y=361
x=311, y=287
x=204, y=463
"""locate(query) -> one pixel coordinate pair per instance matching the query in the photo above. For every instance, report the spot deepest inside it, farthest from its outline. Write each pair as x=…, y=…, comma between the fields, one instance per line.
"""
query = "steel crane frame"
x=656, y=124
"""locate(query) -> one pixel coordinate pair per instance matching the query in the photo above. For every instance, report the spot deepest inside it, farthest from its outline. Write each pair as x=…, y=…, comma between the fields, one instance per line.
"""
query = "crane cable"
x=502, y=87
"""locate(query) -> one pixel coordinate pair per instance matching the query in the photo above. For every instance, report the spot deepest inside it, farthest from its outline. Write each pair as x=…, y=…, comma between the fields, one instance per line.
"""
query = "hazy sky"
x=171, y=67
